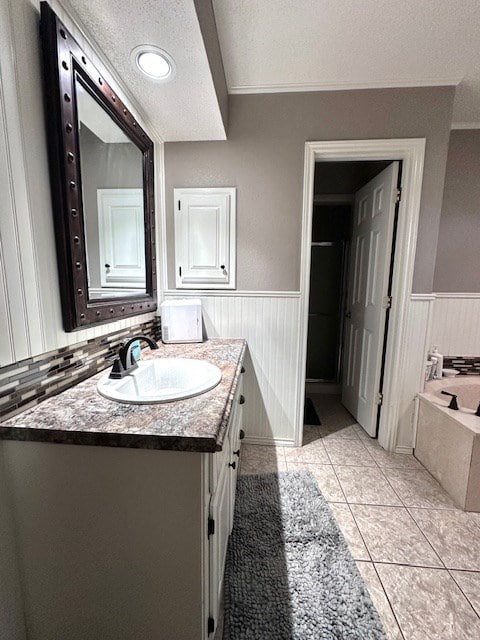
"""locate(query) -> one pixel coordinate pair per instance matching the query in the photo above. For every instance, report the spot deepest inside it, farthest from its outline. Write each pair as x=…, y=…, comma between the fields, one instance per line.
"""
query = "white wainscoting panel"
x=456, y=324
x=269, y=322
x=416, y=346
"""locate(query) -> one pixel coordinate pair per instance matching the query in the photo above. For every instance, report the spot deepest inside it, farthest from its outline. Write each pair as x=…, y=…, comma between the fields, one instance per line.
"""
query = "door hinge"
x=210, y=625
x=211, y=527
x=179, y=206
x=387, y=302
x=399, y=195
x=379, y=399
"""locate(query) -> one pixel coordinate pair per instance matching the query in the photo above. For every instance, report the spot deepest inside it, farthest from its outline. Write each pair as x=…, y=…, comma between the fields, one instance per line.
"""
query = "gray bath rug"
x=289, y=573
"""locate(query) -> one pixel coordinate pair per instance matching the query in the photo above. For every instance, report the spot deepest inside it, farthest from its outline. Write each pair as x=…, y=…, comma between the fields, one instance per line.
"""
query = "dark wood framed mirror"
x=102, y=181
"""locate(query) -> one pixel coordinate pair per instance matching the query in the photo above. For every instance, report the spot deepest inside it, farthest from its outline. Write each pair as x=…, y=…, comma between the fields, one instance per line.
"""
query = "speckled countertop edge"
x=81, y=416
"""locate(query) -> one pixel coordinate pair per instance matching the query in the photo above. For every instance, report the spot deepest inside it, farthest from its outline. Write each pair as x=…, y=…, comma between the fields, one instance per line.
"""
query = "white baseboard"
x=272, y=442
x=403, y=449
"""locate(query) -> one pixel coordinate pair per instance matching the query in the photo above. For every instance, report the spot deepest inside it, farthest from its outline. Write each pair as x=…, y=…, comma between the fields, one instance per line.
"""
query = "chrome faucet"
x=125, y=362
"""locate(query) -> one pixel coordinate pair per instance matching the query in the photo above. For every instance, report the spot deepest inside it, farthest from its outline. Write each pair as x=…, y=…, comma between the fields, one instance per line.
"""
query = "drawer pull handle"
x=241, y=435
x=237, y=453
x=232, y=464
x=242, y=400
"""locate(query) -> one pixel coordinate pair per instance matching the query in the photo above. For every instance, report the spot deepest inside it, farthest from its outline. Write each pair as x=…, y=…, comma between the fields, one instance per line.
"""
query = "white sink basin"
x=161, y=380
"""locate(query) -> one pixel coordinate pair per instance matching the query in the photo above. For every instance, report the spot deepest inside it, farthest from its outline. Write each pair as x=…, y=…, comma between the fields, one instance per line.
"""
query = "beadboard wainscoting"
x=270, y=323
x=455, y=325
x=416, y=346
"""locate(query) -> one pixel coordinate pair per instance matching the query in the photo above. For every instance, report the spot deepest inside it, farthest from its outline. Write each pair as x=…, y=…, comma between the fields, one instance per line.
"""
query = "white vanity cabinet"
x=224, y=472
x=122, y=543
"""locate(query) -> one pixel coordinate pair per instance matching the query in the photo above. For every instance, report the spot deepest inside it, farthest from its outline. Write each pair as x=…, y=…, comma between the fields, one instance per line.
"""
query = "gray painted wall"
x=458, y=253
x=263, y=158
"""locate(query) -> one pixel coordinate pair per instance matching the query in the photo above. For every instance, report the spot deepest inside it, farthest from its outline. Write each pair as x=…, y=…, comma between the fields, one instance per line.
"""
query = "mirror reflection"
x=113, y=202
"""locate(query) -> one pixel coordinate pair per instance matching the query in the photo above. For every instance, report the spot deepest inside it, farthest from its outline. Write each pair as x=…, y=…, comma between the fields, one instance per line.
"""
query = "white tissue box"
x=181, y=320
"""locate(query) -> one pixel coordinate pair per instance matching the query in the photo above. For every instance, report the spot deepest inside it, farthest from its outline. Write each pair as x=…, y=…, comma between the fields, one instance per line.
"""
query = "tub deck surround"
x=81, y=416
x=468, y=391
x=448, y=441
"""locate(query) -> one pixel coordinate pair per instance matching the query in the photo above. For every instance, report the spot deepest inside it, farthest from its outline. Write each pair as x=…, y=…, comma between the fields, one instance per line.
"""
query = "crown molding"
x=341, y=86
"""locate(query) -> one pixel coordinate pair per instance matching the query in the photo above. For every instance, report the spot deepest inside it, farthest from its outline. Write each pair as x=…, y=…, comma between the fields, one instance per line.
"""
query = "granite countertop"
x=81, y=416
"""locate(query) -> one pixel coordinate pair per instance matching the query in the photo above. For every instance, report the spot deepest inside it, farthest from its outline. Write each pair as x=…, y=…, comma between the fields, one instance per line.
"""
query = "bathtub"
x=448, y=441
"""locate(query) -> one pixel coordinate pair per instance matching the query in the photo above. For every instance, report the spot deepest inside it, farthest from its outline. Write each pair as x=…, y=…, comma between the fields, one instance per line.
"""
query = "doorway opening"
x=335, y=184
x=353, y=225
x=370, y=251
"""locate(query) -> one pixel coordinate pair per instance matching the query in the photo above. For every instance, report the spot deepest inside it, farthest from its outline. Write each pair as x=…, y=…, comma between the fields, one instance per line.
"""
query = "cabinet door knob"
x=241, y=435
x=242, y=400
x=232, y=464
x=222, y=266
x=237, y=453
x=242, y=370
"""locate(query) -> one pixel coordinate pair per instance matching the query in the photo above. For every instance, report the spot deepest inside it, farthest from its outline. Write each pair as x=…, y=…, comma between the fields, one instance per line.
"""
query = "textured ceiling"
x=301, y=45
x=183, y=109
x=285, y=45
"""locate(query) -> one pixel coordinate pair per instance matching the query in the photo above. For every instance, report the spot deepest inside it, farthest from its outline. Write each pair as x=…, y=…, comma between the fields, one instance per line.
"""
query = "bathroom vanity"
x=123, y=512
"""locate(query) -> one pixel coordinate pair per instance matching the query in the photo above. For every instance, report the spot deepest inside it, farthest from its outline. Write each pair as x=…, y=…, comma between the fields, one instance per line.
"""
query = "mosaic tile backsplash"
x=28, y=382
x=466, y=365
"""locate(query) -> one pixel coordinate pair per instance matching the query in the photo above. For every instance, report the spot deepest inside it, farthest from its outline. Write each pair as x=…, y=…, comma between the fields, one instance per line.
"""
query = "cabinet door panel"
x=220, y=513
x=205, y=238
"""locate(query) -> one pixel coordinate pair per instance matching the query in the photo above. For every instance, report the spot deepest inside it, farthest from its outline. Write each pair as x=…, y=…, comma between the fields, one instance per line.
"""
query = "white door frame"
x=411, y=152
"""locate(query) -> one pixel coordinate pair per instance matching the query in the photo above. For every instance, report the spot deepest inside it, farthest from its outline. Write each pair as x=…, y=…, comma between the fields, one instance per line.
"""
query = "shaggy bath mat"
x=289, y=574
x=310, y=415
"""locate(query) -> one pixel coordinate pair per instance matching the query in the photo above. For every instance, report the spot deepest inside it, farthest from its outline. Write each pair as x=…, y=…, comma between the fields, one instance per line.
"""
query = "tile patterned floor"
x=419, y=555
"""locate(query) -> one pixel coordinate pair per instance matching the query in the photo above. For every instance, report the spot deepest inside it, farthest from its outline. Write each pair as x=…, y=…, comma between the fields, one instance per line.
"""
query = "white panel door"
x=205, y=238
x=371, y=250
x=121, y=225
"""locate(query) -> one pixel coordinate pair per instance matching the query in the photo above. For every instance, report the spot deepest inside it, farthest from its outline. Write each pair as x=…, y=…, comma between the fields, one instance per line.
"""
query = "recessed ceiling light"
x=153, y=62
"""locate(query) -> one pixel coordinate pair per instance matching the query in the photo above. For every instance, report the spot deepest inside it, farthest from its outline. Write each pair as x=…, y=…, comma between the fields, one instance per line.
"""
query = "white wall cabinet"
x=122, y=543
x=205, y=238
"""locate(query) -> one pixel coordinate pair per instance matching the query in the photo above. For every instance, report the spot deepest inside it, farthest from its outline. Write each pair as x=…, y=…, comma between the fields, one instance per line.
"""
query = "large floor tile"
x=428, y=604
x=261, y=459
x=417, y=488
x=313, y=452
x=325, y=477
x=254, y=467
x=380, y=600
x=350, y=531
x=391, y=460
x=331, y=412
x=366, y=485
x=391, y=535
x=348, y=452
x=337, y=433
x=454, y=535
x=469, y=583
x=363, y=435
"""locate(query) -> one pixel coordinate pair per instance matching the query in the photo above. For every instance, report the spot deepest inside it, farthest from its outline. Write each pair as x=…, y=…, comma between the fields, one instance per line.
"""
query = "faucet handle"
x=118, y=370
x=453, y=402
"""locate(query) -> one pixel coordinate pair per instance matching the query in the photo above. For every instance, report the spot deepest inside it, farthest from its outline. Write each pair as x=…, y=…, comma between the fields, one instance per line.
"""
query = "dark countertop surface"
x=81, y=416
